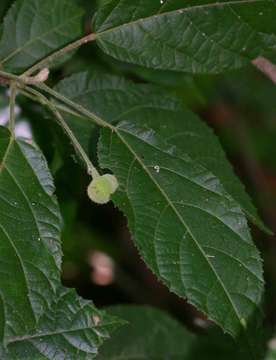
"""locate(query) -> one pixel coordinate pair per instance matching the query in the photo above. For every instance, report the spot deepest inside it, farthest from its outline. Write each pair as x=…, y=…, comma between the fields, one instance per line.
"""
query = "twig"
x=90, y=167
x=26, y=92
x=41, y=77
x=72, y=46
x=78, y=108
x=36, y=96
x=266, y=67
x=13, y=89
x=6, y=78
x=75, y=108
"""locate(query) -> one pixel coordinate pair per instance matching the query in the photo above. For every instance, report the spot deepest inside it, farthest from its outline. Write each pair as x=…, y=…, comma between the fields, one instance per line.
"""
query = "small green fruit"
x=101, y=188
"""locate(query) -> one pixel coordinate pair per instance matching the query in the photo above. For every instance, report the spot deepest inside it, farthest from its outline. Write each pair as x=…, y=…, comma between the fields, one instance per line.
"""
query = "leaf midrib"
x=54, y=333
x=164, y=194
x=2, y=167
x=22, y=267
x=4, y=159
x=181, y=10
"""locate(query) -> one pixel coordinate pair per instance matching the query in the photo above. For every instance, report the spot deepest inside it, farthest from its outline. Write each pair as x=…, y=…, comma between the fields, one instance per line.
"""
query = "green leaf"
x=200, y=240
x=196, y=36
x=108, y=97
x=39, y=319
x=149, y=334
x=193, y=137
x=111, y=96
x=71, y=328
x=189, y=231
x=33, y=29
x=153, y=334
x=114, y=98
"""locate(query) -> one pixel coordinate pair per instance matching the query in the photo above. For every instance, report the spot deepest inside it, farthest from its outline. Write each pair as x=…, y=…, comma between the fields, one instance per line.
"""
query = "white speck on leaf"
x=157, y=168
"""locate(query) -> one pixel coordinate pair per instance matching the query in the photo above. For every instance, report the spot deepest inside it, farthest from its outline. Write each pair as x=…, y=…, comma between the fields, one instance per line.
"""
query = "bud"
x=41, y=77
x=101, y=188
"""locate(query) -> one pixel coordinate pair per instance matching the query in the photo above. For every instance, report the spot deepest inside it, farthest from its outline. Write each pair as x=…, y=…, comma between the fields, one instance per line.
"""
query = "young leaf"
x=114, y=98
x=33, y=29
x=189, y=231
x=39, y=319
x=194, y=36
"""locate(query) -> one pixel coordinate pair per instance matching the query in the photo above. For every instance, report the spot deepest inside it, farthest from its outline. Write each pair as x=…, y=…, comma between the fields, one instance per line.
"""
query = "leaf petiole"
x=78, y=108
x=36, y=96
x=70, y=47
x=13, y=92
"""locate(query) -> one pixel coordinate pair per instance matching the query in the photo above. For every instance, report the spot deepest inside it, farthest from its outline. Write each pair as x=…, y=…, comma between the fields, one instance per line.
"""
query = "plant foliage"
x=186, y=209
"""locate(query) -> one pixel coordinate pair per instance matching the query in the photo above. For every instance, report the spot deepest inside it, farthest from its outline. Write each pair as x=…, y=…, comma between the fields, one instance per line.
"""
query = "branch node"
x=40, y=78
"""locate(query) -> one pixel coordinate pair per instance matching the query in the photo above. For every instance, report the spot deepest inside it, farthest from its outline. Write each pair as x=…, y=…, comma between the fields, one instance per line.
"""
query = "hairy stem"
x=13, y=90
x=78, y=108
x=72, y=46
x=90, y=167
x=71, y=107
x=28, y=92
x=36, y=96
x=6, y=78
